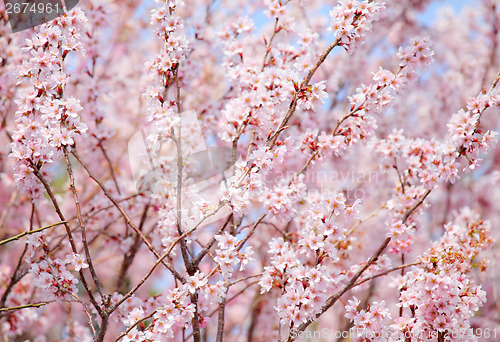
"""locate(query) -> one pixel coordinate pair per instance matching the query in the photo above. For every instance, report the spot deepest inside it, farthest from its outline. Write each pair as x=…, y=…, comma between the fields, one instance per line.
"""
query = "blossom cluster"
x=352, y=19
x=468, y=140
x=229, y=254
x=46, y=121
x=171, y=310
x=305, y=290
x=305, y=267
x=441, y=293
x=163, y=75
x=247, y=183
x=274, y=183
x=177, y=311
x=422, y=164
x=372, y=322
x=51, y=274
x=401, y=237
x=163, y=69
x=359, y=123
x=375, y=96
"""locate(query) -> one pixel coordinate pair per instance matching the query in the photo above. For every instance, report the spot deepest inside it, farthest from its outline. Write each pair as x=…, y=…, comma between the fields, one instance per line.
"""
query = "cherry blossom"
x=270, y=170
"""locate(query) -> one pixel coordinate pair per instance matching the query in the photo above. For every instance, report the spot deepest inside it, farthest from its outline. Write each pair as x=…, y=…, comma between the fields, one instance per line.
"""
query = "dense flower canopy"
x=266, y=170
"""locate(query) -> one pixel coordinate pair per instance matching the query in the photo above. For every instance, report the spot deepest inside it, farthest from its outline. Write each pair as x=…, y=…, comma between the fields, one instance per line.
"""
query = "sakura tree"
x=276, y=170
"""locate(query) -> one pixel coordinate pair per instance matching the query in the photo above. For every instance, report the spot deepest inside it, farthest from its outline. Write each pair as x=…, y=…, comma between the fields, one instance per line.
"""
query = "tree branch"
x=82, y=225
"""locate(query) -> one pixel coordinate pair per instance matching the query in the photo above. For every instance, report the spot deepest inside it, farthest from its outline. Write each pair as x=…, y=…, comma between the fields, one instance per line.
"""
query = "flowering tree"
x=313, y=169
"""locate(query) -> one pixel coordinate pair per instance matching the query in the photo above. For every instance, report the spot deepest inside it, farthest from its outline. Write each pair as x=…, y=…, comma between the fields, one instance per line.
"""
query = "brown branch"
x=5, y=211
x=184, y=249
x=157, y=262
x=494, y=41
x=242, y=242
x=70, y=237
x=113, y=176
x=82, y=225
x=293, y=105
x=14, y=278
x=268, y=45
x=124, y=214
x=221, y=320
x=129, y=257
x=415, y=206
x=246, y=278
x=399, y=175
x=71, y=323
x=400, y=267
x=103, y=328
x=92, y=212
x=231, y=299
x=196, y=261
x=180, y=164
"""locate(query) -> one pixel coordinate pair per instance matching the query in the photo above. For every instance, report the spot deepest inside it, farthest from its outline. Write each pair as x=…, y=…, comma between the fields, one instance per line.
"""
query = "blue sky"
x=431, y=10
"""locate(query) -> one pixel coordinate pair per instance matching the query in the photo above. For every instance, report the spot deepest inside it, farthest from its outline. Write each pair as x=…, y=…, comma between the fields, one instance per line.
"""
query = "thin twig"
x=268, y=45
x=400, y=267
x=5, y=212
x=157, y=262
x=23, y=307
x=17, y=237
x=128, y=258
x=242, y=242
x=231, y=299
x=113, y=176
x=14, y=278
x=129, y=329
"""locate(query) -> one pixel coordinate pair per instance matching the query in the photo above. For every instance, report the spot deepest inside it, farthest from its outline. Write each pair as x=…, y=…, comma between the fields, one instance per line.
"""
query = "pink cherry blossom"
x=270, y=170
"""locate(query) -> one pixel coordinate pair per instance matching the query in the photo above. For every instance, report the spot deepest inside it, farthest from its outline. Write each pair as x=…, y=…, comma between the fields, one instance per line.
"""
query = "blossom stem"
x=123, y=334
